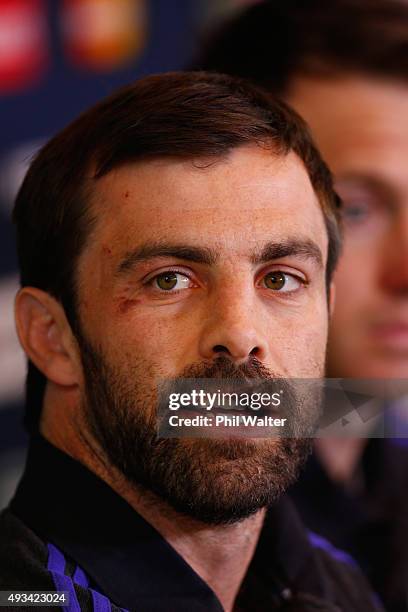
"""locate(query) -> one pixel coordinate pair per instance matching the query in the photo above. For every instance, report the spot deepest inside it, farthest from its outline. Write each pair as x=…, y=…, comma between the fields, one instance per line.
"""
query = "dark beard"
x=213, y=481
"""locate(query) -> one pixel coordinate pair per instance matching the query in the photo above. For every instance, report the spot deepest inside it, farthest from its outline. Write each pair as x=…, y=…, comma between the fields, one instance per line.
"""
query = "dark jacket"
x=368, y=518
x=66, y=530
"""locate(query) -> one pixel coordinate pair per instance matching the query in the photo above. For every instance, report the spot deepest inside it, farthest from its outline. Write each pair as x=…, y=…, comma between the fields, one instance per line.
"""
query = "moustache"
x=224, y=368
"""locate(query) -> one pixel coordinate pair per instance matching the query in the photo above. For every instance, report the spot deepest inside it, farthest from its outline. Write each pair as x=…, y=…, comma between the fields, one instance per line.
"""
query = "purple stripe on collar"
x=318, y=541
x=80, y=577
x=100, y=602
x=56, y=566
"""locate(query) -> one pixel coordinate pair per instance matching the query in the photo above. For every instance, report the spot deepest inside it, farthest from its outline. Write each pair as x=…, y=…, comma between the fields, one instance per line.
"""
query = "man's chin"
x=228, y=448
x=222, y=481
x=216, y=481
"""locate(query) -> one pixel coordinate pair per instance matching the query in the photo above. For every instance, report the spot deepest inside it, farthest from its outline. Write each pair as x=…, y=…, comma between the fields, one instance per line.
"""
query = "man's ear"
x=332, y=298
x=46, y=336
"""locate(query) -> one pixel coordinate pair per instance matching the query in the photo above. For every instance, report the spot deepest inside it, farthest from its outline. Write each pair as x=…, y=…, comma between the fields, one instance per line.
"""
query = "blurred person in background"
x=343, y=65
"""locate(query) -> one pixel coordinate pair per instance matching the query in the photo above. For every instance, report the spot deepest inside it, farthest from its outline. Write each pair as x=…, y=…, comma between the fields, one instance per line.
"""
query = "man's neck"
x=220, y=554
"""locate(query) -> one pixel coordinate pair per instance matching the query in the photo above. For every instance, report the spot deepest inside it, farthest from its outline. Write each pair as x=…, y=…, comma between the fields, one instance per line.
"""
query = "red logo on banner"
x=103, y=34
x=23, y=43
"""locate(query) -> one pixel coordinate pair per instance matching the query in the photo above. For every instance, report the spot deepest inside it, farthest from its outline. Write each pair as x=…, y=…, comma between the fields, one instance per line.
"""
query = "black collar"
x=126, y=558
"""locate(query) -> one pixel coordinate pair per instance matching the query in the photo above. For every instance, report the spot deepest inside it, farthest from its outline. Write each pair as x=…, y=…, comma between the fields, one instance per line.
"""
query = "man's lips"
x=392, y=334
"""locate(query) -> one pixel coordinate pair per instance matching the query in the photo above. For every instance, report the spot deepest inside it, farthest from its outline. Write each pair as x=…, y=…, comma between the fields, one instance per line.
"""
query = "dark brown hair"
x=184, y=115
x=272, y=41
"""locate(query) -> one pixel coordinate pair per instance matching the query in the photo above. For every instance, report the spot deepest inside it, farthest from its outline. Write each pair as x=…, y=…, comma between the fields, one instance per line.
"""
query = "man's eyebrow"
x=204, y=255
x=305, y=248
x=146, y=252
x=374, y=182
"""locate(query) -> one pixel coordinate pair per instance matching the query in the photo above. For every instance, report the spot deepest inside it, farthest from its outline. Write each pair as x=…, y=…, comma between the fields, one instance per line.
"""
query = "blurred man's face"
x=361, y=128
x=201, y=268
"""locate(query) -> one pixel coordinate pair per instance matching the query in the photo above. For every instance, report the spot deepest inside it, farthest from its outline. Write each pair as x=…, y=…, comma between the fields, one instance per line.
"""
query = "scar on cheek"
x=124, y=304
x=106, y=250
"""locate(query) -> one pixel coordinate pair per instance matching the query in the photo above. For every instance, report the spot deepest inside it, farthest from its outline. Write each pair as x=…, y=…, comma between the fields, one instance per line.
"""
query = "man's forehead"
x=365, y=144
x=372, y=155
x=251, y=185
x=353, y=114
x=232, y=207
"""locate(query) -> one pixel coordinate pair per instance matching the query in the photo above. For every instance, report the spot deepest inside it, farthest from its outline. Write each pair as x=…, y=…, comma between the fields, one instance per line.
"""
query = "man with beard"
x=186, y=226
x=342, y=64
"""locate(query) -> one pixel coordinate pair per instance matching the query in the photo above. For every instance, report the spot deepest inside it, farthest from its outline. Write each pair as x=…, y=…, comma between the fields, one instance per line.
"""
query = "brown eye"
x=167, y=281
x=275, y=280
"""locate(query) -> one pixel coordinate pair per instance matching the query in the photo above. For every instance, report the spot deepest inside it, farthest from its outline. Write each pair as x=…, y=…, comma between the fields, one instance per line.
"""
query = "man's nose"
x=394, y=269
x=234, y=329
